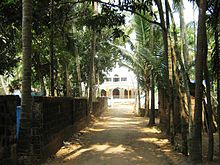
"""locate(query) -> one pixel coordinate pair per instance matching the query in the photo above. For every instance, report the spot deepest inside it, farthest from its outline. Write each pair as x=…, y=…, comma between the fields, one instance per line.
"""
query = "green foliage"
x=10, y=25
x=107, y=18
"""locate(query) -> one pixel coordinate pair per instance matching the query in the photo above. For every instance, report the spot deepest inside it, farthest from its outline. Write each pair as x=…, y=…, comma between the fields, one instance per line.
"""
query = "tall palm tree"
x=92, y=62
x=25, y=126
x=196, y=147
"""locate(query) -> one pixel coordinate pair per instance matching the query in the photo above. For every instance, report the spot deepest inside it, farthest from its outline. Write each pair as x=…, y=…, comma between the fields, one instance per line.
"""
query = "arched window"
x=116, y=93
x=103, y=92
x=126, y=93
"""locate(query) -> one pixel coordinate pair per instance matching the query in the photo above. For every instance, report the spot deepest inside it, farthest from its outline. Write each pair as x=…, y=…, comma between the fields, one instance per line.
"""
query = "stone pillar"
x=128, y=93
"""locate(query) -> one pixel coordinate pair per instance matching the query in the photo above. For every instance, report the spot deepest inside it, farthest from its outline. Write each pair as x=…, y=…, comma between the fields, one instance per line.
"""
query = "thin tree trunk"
x=216, y=30
x=147, y=89
x=152, y=82
x=78, y=71
x=152, y=110
x=209, y=109
x=91, y=74
x=138, y=94
x=196, y=147
x=163, y=105
x=218, y=108
x=183, y=34
x=52, y=50
x=24, y=142
x=68, y=86
x=37, y=63
x=194, y=28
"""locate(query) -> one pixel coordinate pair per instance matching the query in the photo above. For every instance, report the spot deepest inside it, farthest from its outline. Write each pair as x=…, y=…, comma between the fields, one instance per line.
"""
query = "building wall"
x=124, y=88
x=54, y=119
x=8, y=130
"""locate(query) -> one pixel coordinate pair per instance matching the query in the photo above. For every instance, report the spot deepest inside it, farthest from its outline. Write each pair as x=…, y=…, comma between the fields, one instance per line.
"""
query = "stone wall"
x=100, y=105
x=54, y=120
x=8, y=130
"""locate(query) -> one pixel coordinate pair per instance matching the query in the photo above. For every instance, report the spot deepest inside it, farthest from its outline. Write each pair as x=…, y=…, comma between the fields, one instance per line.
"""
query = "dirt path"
x=117, y=138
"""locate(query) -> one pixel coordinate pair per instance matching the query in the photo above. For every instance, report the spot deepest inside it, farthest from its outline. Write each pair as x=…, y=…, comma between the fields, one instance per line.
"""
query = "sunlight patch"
x=100, y=147
x=150, y=130
x=114, y=150
x=65, y=150
x=154, y=140
x=74, y=155
x=96, y=129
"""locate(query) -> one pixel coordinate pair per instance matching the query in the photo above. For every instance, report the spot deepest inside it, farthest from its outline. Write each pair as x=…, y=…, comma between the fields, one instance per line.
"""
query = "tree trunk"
x=138, y=94
x=152, y=110
x=147, y=89
x=52, y=50
x=209, y=109
x=91, y=71
x=163, y=106
x=218, y=108
x=217, y=56
x=179, y=102
x=196, y=147
x=179, y=116
x=24, y=142
x=171, y=70
x=78, y=71
x=67, y=87
x=184, y=42
x=165, y=42
x=37, y=64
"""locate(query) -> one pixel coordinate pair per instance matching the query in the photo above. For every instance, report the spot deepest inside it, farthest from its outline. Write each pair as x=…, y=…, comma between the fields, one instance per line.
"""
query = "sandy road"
x=117, y=138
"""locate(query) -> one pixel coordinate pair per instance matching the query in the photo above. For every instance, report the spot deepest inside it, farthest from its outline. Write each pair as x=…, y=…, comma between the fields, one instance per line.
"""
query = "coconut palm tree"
x=196, y=150
x=25, y=126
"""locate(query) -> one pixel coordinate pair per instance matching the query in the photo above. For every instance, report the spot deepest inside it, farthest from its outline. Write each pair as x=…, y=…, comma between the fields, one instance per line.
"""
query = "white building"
x=120, y=83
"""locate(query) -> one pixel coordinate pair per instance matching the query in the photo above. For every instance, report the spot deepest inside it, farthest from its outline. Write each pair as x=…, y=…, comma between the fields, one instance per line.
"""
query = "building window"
x=116, y=78
x=108, y=79
x=124, y=79
x=103, y=92
x=116, y=93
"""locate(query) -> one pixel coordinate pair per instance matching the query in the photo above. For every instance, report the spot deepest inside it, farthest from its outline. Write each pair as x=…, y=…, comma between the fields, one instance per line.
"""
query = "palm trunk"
x=37, y=65
x=196, y=147
x=138, y=94
x=179, y=116
x=24, y=143
x=163, y=106
x=171, y=71
x=147, y=89
x=209, y=109
x=91, y=71
x=152, y=110
x=217, y=55
x=52, y=50
x=67, y=88
x=165, y=42
x=183, y=34
x=179, y=102
x=78, y=71
x=218, y=108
